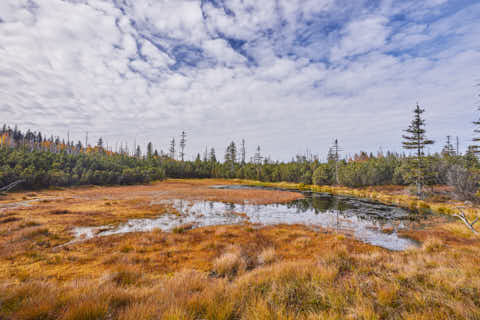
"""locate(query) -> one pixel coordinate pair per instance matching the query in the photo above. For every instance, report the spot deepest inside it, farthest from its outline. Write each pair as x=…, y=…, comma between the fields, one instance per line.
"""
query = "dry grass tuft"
x=229, y=264
x=126, y=276
x=87, y=309
x=433, y=245
x=302, y=242
x=267, y=256
x=141, y=310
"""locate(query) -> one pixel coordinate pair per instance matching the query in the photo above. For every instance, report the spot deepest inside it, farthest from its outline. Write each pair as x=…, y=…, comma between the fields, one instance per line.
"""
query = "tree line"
x=43, y=162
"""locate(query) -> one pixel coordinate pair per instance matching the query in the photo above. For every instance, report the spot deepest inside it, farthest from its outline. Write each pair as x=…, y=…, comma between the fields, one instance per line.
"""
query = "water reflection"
x=366, y=221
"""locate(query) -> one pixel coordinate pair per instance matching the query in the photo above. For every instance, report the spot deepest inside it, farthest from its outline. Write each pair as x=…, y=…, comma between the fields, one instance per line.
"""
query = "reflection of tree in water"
x=322, y=204
x=302, y=205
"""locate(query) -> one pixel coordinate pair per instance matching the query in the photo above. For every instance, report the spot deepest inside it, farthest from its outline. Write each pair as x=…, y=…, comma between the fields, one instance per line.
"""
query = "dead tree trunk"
x=464, y=218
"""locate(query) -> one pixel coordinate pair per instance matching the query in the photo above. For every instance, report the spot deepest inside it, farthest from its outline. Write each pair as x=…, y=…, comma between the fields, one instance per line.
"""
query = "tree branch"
x=462, y=217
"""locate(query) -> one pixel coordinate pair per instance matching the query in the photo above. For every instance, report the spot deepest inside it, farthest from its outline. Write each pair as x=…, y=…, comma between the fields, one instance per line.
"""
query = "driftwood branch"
x=464, y=218
x=11, y=186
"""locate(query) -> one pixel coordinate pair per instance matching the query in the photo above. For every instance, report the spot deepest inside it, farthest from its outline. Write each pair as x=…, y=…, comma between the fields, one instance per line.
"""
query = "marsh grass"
x=267, y=256
x=227, y=272
x=229, y=264
x=342, y=282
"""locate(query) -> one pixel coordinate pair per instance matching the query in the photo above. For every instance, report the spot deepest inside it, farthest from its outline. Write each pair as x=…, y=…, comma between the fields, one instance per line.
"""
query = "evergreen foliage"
x=415, y=139
x=52, y=162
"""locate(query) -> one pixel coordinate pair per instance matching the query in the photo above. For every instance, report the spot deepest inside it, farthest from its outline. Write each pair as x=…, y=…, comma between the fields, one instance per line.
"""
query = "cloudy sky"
x=286, y=74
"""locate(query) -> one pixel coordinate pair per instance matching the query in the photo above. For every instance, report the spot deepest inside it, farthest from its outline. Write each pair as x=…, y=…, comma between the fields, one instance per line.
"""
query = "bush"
x=463, y=181
x=323, y=175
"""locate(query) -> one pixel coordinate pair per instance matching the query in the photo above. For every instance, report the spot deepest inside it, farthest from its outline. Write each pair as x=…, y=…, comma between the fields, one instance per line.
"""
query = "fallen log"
x=464, y=218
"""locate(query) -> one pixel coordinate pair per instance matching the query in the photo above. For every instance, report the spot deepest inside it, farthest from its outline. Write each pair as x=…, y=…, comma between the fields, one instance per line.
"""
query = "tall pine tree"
x=149, y=150
x=415, y=139
x=475, y=148
x=172, y=148
x=448, y=150
x=183, y=143
x=334, y=153
x=231, y=155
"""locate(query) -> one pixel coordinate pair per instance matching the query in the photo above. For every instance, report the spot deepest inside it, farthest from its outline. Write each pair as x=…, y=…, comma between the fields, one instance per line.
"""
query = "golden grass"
x=229, y=264
x=267, y=256
x=227, y=272
x=331, y=277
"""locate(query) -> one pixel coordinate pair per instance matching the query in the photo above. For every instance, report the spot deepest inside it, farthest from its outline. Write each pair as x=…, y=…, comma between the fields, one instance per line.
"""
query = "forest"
x=41, y=162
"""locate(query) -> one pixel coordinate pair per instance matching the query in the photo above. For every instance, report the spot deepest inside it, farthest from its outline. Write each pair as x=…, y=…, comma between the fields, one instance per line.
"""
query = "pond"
x=367, y=221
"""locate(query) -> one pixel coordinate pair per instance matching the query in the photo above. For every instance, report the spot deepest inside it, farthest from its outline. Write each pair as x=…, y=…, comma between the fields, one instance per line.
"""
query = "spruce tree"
x=183, y=142
x=172, y=148
x=205, y=154
x=149, y=150
x=257, y=157
x=138, y=152
x=448, y=150
x=334, y=154
x=475, y=148
x=415, y=139
x=212, y=156
x=231, y=155
x=244, y=152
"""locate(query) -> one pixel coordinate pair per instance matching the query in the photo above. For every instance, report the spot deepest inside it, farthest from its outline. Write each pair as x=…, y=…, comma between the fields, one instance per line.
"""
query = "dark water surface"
x=367, y=221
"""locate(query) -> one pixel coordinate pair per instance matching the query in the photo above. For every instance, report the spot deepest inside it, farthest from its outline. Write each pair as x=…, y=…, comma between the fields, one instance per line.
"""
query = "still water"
x=367, y=221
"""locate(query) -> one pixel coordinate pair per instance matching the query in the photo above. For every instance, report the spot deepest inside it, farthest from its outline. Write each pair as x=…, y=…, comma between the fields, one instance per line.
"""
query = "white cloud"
x=361, y=36
x=220, y=50
x=308, y=71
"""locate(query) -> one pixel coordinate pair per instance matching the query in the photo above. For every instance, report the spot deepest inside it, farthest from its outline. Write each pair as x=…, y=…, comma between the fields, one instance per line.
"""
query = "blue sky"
x=285, y=74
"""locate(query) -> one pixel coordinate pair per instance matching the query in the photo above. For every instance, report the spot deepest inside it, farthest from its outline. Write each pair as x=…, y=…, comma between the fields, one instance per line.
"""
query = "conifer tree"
x=257, y=157
x=415, y=139
x=149, y=150
x=231, y=154
x=475, y=148
x=172, y=148
x=244, y=152
x=448, y=149
x=205, y=154
x=334, y=155
x=212, y=156
x=183, y=142
x=138, y=152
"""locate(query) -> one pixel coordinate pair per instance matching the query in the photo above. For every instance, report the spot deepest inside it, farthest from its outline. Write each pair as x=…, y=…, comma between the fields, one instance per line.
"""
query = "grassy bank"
x=249, y=274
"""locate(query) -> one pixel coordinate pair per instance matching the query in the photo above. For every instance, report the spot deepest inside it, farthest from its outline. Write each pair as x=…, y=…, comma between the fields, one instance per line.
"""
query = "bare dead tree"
x=464, y=219
x=463, y=181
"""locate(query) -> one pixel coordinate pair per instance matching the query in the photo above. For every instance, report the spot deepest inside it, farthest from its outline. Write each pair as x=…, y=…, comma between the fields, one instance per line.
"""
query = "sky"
x=288, y=75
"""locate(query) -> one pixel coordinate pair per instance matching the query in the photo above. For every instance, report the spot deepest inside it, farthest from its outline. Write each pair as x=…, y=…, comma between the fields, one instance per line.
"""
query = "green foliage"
x=324, y=175
x=42, y=169
x=415, y=139
x=43, y=163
